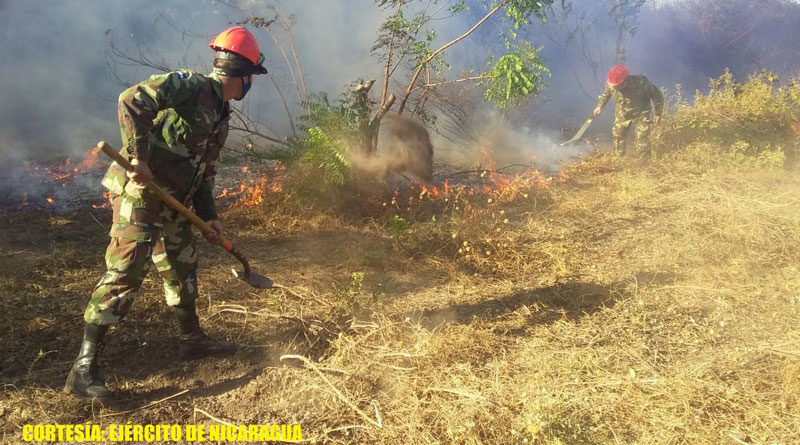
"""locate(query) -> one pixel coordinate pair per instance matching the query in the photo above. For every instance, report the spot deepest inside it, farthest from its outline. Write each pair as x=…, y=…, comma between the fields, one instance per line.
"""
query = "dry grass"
x=626, y=303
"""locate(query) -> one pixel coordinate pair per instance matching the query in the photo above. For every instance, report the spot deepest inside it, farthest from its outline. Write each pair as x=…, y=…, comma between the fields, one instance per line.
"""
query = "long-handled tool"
x=250, y=277
x=579, y=133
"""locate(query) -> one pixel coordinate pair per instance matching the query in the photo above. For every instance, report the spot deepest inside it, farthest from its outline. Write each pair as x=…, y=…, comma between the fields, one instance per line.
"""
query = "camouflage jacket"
x=633, y=98
x=177, y=123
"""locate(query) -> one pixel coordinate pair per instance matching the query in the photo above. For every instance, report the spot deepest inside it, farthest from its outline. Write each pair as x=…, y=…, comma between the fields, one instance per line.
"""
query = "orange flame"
x=50, y=200
x=90, y=162
x=254, y=194
x=107, y=197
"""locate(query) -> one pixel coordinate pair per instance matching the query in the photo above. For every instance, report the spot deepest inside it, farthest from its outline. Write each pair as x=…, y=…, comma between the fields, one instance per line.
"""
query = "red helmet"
x=617, y=74
x=238, y=40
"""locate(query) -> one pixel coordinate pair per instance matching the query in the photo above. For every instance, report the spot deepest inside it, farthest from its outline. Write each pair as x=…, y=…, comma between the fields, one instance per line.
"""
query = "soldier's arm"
x=203, y=198
x=658, y=99
x=603, y=98
x=139, y=105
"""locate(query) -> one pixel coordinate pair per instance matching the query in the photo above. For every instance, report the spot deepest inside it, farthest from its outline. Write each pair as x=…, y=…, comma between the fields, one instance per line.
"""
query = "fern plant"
x=325, y=155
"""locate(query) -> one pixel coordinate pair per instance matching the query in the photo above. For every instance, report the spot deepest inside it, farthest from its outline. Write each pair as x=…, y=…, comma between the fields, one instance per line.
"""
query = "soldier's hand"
x=597, y=111
x=141, y=174
x=656, y=119
x=216, y=236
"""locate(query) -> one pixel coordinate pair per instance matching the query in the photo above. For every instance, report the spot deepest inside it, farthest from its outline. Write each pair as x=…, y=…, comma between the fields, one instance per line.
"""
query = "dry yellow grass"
x=632, y=303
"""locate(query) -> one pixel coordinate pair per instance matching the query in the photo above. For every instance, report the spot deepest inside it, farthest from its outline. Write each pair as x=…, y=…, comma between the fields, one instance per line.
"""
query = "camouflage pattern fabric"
x=634, y=99
x=144, y=229
x=621, y=129
x=177, y=123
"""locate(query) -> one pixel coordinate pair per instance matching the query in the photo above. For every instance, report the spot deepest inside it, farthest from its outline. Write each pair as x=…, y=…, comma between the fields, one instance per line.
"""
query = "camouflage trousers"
x=144, y=232
x=622, y=128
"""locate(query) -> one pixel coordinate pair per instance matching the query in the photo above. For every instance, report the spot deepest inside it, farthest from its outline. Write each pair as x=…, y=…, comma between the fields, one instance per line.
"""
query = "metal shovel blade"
x=579, y=133
x=253, y=279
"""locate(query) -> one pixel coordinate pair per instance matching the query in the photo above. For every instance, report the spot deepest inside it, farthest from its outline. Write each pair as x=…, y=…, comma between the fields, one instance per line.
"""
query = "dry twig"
x=336, y=391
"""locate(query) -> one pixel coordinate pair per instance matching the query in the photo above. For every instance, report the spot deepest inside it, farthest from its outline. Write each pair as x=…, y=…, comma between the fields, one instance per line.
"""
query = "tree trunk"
x=375, y=125
x=362, y=111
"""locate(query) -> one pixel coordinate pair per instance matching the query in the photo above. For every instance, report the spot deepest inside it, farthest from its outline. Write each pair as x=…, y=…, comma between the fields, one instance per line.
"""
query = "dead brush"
x=468, y=221
x=791, y=384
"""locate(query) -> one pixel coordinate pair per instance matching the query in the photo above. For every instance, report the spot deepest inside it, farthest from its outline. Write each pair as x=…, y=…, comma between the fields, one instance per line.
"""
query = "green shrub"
x=749, y=119
x=320, y=166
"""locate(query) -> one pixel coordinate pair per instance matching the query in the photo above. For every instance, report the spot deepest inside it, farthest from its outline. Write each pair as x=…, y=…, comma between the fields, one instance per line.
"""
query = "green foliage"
x=399, y=228
x=342, y=117
x=515, y=77
x=321, y=156
x=749, y=119
x=518, y=12
x=348, y=294
x=410, y=37
x=398, y=225
x=325, y=155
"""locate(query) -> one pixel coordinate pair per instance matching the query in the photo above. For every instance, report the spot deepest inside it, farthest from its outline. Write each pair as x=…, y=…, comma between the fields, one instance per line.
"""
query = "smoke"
x=404, y=147
x=674, y=42
x=495, y=142
x=59, y=95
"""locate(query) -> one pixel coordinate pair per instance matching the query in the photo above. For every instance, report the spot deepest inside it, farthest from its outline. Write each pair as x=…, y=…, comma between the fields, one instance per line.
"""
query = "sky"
x=58, y=97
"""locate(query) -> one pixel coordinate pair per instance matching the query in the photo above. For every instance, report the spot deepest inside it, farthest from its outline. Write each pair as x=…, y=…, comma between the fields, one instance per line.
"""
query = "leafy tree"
x=406, y=38
x=514, y=77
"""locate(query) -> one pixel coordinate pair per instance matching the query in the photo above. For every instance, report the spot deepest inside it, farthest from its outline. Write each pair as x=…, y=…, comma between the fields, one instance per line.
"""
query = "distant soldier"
x=173, y=127
x=635, y=97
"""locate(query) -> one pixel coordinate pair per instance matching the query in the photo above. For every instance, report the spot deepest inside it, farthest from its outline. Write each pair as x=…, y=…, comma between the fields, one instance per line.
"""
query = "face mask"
x=245, y=88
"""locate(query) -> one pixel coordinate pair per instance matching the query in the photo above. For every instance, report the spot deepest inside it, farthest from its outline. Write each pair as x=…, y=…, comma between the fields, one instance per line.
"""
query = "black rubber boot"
x=194, y=343
x=84, y=378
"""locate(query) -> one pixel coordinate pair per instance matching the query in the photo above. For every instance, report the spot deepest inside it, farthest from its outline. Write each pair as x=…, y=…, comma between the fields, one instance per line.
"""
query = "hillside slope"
x=628, y=302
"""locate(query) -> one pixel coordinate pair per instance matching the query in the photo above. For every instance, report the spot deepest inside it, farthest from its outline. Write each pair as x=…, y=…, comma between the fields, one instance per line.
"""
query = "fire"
x=90, y=162
x=254, y=194
x=106, y=204
x=254, y=191
x=66, y=171
x=489, y=183
x=226, y=193
x=432, y=192
x=56, y=181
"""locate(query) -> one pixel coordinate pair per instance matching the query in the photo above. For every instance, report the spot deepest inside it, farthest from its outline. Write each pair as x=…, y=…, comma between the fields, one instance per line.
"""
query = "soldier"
x=173, y=127
x=633, y=96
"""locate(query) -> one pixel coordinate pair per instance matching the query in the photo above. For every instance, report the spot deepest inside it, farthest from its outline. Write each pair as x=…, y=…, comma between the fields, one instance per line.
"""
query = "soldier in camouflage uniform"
x=634, y=96
x=173, y=127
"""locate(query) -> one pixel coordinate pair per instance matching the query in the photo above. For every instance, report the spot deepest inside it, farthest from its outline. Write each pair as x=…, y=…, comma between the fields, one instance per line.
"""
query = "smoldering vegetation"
x=618, y=301
x=404, y=147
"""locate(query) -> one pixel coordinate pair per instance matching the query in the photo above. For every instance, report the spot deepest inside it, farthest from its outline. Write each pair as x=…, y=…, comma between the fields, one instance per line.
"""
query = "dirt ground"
x=637, y=303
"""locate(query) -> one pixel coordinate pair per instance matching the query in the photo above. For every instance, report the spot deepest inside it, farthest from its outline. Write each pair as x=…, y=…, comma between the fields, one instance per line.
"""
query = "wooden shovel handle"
x=164, y=196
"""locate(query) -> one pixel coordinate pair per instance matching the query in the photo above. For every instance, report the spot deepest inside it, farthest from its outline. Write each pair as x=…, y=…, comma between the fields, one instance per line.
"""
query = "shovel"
x=579, y=133
x=248, y=276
